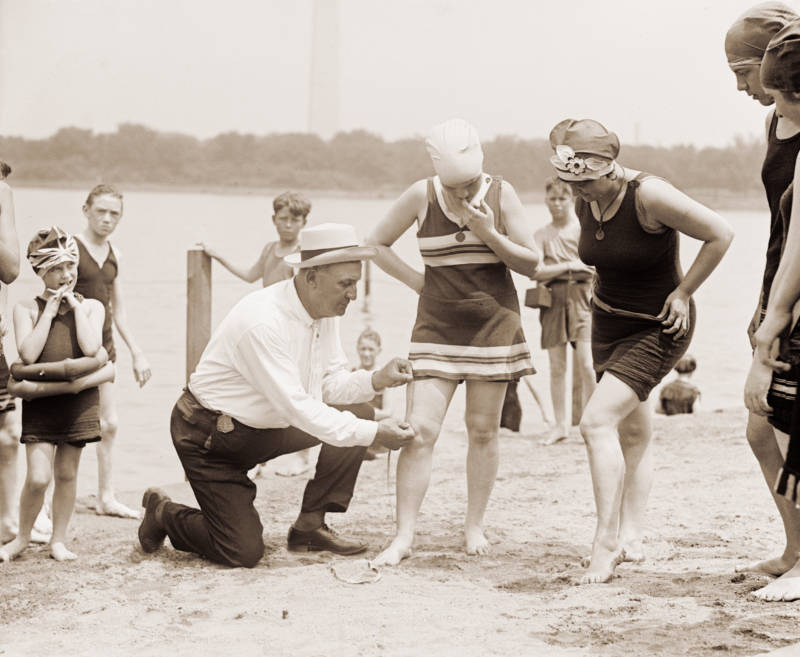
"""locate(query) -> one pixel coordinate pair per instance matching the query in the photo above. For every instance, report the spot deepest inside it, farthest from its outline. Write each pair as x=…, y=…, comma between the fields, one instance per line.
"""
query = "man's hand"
x=395, y=373
x=394, y=434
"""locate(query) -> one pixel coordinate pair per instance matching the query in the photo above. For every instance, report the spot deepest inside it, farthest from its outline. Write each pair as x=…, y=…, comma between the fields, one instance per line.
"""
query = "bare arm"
x=36, y=389
x=575, y=268
x=31, y=333
x=9, y=242
x=89, y=316
x=517, y=250
x=398, y=220
x=141, y=368
x=670, y=207
x=251, y=274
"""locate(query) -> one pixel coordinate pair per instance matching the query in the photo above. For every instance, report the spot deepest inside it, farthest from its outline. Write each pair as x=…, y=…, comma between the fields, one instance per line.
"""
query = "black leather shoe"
x=151, y=533
x=322, y=539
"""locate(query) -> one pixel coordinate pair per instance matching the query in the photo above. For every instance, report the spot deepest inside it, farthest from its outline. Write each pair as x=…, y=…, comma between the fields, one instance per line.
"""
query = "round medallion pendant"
x=460, y=237
x=599, y=234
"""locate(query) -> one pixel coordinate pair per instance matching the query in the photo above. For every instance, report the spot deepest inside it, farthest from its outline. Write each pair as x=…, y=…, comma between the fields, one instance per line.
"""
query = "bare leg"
x=66, y=478
x=107, y=503
x=40, y=468
x=558, y=393
x=611, y=402
x=427, y=404
x=9, y=444
x=635, y=432
x=484, y=405
x=583, y=364
x=763, y=440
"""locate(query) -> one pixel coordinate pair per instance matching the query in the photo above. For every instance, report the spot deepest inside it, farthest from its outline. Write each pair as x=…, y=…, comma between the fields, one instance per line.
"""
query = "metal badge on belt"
x=224, y=423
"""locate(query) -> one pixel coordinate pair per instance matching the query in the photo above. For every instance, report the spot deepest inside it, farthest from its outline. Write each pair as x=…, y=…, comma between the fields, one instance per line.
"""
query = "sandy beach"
x=707, y=515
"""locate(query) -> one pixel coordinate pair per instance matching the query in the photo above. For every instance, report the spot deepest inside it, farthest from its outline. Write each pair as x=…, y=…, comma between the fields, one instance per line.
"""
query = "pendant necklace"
x=460, y=237
x=600, y=234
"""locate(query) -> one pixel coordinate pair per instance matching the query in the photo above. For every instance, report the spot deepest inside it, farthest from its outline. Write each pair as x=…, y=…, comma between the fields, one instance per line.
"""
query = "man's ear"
x=310, y=276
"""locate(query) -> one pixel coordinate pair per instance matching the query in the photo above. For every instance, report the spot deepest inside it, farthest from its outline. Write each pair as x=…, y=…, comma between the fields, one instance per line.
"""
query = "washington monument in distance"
x=323, y=97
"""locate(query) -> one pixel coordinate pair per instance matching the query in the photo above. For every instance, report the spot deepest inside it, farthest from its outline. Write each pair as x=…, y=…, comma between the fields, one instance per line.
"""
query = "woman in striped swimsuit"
x=468, y=321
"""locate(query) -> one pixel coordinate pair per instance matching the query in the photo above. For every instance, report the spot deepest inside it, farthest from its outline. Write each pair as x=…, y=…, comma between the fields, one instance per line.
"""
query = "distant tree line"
x=353, y=161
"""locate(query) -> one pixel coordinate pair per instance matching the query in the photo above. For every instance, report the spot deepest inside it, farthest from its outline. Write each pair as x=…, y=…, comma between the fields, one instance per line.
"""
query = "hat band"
x=736, y=63
x=307, y=254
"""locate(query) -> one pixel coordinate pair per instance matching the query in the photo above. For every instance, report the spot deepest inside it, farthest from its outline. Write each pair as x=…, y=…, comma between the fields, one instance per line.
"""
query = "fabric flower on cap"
x=51, y=247
x=566, y=160
x=455, y=151
x=584, y=150
x=747, y=39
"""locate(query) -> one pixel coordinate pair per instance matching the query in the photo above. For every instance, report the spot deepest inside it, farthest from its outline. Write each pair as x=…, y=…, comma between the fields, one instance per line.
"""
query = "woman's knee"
x=37, y=479
x=427, y=430
x=481, y=430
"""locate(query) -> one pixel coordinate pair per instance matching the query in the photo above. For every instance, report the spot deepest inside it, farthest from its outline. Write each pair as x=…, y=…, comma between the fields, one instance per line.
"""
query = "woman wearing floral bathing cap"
x=471, y=231
x=642, y=318
x=745, y=44
x=777, y=340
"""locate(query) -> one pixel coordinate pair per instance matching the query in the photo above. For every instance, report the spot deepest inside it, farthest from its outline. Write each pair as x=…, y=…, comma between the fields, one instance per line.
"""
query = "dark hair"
x=5, y=170
x=369, y=334
x=686, y=365
x=556, y=184
x=298, y=204
x=101, y=190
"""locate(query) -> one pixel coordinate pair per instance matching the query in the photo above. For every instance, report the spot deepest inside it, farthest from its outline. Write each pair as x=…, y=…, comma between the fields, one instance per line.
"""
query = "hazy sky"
x=653, y=71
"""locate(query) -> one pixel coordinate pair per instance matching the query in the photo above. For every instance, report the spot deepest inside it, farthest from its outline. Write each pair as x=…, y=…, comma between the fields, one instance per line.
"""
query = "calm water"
x=158, y=228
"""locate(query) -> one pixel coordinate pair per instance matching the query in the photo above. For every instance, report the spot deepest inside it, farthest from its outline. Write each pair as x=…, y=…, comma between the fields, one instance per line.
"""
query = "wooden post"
x=367, y=284
x=198, y=306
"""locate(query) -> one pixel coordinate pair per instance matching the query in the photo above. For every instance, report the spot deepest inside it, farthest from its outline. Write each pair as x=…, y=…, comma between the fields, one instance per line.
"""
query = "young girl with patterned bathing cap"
x=471, y=231
x=642, y=318
x=55, y=331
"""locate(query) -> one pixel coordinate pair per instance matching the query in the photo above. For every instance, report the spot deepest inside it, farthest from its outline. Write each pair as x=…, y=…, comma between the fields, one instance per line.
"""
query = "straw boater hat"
x=327, y=244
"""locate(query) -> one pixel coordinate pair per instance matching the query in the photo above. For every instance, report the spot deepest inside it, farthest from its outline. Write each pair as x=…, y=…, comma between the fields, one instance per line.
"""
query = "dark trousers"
x=216, y=452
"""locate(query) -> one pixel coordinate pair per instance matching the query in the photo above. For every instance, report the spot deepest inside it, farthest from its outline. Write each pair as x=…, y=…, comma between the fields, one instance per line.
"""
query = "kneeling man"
x=264, y=387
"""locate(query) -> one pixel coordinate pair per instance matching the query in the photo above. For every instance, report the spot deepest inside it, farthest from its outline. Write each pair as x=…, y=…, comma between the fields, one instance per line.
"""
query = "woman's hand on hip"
x=674, y=314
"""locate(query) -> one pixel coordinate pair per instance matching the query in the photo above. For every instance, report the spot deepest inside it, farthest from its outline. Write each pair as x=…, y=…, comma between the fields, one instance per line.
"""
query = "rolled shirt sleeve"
x=263, y=358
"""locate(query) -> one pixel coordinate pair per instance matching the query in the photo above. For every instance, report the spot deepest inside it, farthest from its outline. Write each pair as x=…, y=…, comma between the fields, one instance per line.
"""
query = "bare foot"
x=602, y=565
x=774, y=567
x=115, y=509
x=59, y=552
x=8, y=532
x=632, y=552
x=553, y=438
x=475, y=541
x=784, y=589
x=292, y=465
x=13, y=549
x=393, y=554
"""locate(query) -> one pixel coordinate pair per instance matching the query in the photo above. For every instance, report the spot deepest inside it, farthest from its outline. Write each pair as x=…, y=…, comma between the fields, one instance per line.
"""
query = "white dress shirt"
x=270, y=365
